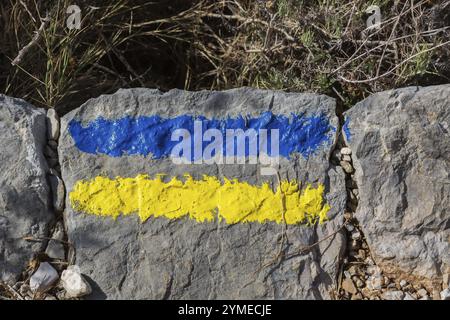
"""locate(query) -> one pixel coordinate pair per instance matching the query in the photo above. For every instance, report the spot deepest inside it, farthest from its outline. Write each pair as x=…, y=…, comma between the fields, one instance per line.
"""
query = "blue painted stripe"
x=151, y=135
x=346, y=128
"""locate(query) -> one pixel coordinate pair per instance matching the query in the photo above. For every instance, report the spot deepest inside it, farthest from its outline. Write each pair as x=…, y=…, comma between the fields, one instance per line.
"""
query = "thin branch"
x=381, y=43
x=309, y=247
x=11, y=290
x=391, y=35
x=396, y=67
x=33, y=41
x=37, y=239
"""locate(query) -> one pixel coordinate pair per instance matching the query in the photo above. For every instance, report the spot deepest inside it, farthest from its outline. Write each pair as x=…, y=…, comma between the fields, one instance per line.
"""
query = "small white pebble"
x=408, y=296
x=349, y=227
x=346, y=151
x=445, y=294
x=346, y=158
x=356, y=235
x=74, y=283
x=422, y=292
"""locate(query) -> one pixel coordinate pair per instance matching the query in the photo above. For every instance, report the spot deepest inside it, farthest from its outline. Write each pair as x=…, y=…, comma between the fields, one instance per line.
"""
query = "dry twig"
x=34, y=41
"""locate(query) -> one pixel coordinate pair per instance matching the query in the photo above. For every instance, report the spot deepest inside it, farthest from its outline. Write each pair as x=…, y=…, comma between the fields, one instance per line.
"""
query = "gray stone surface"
x=55, y=248
x=170, y=259
x=24, y=191
x=400, y=142
x=43, y=278
x=58, y=192
x=52, y=124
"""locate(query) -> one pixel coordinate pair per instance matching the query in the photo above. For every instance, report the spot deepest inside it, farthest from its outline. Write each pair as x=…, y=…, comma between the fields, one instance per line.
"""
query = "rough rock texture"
x=401, y=152
x=24, y=191
x=55, y=248
x=58, y=192
x=170, y=259
x=44, y=278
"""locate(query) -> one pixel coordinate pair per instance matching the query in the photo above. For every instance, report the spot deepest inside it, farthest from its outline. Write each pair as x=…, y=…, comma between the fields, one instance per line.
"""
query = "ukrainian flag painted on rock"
x=198, y=138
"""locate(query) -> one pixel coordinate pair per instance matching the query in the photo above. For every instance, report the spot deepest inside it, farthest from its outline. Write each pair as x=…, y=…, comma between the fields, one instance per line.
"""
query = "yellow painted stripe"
x=201, y=200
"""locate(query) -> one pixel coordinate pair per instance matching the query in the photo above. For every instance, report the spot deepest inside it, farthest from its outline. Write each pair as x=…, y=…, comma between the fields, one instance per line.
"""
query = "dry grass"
x=293, y=45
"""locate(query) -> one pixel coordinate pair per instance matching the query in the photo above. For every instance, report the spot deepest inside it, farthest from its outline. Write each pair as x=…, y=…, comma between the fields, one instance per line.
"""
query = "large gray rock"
x=401, y=151
x=24, y=191
x=170, y=259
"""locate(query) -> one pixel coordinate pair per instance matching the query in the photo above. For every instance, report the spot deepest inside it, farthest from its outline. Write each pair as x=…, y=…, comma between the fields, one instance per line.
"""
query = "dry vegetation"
x=294, y=45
